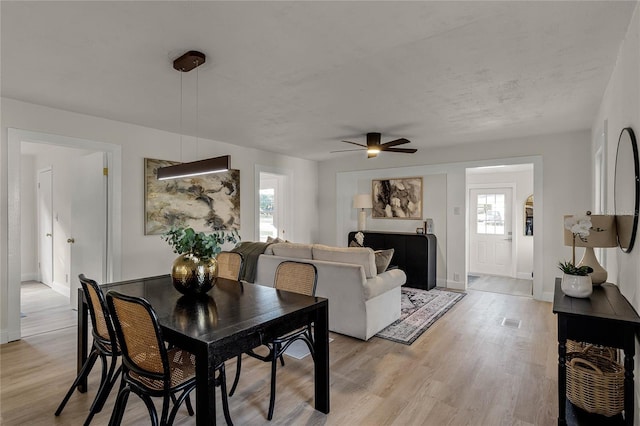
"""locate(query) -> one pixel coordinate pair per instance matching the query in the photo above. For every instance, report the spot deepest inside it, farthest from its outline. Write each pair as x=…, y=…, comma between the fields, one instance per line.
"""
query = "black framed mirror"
x=626, y=190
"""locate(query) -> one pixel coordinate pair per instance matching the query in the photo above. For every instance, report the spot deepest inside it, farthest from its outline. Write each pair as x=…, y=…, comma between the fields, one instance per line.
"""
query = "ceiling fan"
x=374, y=147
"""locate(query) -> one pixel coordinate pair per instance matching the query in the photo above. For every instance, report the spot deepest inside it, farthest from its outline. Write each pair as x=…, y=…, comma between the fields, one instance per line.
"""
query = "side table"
x=605, y=318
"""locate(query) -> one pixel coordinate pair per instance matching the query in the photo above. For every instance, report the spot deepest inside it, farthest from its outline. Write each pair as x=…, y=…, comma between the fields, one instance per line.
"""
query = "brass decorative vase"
x=193, y=275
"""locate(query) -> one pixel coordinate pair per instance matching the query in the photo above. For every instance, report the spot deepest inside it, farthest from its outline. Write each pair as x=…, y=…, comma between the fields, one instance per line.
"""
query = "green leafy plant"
x=571, y=269
x=204, y=246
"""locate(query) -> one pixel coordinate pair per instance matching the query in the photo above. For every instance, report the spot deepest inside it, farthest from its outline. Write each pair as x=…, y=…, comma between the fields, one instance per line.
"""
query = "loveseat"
x=362, y=301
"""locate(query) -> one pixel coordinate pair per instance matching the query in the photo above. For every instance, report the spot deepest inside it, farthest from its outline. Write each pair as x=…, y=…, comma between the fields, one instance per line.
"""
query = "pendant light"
x=185, y=63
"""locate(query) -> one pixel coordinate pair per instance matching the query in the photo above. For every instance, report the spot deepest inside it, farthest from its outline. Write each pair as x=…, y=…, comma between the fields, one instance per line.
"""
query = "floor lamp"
x=362, y=201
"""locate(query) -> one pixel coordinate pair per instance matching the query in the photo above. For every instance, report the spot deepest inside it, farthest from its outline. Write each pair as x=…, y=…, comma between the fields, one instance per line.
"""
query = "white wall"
x=145, y=255
x=620, y=108
x=29, y=224
x=523, y=182
x=559, y=170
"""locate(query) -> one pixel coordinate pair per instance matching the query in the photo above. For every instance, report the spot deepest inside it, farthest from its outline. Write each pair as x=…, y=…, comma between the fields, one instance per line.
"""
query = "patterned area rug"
x=420, y=309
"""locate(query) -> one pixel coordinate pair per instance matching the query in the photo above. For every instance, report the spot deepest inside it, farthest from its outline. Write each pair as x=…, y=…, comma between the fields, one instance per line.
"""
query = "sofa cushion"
x=293, y=250
x=362, y=256
x=383, y=259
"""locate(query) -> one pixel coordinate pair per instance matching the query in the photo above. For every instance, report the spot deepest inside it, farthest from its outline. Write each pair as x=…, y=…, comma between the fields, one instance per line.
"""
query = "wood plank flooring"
x=466, y=369
x=43, y=309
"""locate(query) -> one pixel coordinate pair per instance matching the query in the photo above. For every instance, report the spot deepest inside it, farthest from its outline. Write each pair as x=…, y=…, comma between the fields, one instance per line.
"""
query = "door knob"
x=47, y=235
x=71, y=240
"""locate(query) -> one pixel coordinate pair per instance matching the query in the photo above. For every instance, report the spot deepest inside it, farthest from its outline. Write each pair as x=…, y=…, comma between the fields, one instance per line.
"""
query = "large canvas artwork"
x=205, y=203
x=399, y=198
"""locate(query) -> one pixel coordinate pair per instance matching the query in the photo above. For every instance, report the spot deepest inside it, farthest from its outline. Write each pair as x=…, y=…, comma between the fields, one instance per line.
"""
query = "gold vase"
x=193, y=275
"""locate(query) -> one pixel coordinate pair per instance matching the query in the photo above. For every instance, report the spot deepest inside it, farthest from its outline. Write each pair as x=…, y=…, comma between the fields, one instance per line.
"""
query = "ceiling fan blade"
x=346, y=150
x=400, y=141
x=355, y=143
x=404, y=150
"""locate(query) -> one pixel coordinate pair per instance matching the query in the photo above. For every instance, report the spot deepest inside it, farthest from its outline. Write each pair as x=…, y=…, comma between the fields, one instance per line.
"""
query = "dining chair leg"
x=237, y=378
x=272, y=398
x=189, y=406
x=84, y=372
x=118, y=408
x=222, y=379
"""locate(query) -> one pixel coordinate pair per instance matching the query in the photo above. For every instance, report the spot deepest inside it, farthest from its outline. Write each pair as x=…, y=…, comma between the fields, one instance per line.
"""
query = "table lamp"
x=602, y=234
x=362, y=201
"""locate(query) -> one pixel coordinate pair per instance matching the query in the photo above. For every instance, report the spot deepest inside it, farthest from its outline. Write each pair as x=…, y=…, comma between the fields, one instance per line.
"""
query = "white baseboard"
x=455, y=285
x=441, y=282
x=524, y=276
x=29, y=276
x=62, y=289
x=7, y=336
x=547, y=296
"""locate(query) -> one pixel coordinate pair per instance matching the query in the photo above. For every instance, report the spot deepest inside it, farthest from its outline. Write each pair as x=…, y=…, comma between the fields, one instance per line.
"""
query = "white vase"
x=576, y=285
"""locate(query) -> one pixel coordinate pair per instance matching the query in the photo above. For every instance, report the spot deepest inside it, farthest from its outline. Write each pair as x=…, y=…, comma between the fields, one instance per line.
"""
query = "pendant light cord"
x=197, y=102
x=181, y=92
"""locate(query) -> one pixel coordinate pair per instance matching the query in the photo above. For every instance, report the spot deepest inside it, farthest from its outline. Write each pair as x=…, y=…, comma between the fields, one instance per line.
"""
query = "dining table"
x=221, y=324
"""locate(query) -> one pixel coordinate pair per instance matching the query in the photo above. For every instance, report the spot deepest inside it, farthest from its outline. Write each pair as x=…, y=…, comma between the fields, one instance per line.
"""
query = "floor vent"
x=510, y=322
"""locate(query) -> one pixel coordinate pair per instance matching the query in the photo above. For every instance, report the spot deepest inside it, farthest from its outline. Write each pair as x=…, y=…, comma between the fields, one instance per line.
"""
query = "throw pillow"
x=354, y=243
x=276, y=240
x=383, y=258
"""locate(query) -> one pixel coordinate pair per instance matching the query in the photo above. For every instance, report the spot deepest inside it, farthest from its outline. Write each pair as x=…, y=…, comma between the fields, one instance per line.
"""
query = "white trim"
x=11, y=304
x=524, y=276
x=29, y=276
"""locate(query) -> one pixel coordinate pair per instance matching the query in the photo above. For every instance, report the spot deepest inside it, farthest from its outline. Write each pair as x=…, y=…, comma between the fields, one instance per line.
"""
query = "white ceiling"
x=298, y=77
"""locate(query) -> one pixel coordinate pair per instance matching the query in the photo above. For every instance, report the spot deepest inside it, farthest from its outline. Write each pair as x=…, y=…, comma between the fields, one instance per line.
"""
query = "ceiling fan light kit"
x=374, y=147
x=185, y=63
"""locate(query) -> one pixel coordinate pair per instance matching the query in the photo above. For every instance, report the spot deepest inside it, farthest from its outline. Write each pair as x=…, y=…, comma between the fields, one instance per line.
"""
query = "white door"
x=88, y=237
x=272, y=206
x=45, y=227
x=490, y=235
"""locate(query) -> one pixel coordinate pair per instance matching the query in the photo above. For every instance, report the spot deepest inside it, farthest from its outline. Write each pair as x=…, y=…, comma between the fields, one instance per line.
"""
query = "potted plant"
x=195, y=270
x=576, y=281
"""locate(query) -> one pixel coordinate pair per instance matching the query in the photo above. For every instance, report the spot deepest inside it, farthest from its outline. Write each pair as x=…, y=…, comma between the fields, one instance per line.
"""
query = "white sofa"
x=361, y=301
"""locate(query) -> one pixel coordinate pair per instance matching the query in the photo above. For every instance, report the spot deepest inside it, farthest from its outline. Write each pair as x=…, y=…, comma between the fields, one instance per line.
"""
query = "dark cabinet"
x=415, y=254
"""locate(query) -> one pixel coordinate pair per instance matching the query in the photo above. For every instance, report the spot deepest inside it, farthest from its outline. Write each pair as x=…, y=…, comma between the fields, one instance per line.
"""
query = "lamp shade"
x=362, y=201
x=602, y=233
x=195, y=168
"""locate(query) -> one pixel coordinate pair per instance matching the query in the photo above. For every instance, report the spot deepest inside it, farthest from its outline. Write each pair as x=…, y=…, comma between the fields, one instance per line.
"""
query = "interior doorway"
x=500, y=232
x=45, y=226
x=272, y=205
x=24, y=244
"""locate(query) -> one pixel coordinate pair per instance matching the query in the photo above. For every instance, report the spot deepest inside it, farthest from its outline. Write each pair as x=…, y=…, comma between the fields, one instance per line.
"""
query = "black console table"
x=605, y=318
x=415, y=254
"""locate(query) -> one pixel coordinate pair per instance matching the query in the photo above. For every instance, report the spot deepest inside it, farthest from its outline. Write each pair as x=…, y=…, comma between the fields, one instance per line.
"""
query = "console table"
x=414, y=253
x=605, y=318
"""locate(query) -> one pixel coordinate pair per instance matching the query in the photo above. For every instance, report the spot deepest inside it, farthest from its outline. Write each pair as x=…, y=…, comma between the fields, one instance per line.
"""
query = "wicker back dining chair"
x=105, y=345
x=229, y=264
x=297, y=277
x=149, y=368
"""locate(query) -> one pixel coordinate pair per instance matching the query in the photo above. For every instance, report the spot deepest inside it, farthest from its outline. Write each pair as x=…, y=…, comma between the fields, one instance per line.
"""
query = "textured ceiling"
x=298, y=77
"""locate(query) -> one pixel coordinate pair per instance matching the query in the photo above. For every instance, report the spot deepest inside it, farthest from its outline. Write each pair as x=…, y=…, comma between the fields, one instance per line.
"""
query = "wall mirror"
x=528, y=215
x=626, y=189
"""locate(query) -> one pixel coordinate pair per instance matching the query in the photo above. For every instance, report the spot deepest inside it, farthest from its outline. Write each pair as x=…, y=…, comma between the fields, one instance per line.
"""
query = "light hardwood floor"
x=466, y=369
x=504, y=285
x=43, y=310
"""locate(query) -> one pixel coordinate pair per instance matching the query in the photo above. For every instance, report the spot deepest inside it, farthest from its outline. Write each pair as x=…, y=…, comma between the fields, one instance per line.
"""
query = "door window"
x=490, y=214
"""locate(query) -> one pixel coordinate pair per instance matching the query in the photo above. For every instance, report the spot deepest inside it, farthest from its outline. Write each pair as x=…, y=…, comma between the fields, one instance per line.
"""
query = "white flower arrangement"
x=580, y=227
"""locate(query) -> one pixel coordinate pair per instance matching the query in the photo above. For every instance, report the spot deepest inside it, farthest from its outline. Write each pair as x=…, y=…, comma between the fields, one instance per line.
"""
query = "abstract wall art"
x=399, y=198
x=205, y=203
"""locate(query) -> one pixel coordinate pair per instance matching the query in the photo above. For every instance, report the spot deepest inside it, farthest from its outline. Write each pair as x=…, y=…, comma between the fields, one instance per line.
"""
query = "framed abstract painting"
x=205, y=203
x=398, y=198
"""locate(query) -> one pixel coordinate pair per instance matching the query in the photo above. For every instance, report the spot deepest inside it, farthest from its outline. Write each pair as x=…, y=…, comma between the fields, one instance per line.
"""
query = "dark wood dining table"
x=230, y=319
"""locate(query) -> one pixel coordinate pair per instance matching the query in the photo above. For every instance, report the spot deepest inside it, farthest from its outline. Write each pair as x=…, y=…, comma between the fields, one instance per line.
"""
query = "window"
x=490, y=214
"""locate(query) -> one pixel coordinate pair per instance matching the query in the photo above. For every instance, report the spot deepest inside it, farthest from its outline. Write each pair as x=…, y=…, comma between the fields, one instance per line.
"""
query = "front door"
x=491, y=242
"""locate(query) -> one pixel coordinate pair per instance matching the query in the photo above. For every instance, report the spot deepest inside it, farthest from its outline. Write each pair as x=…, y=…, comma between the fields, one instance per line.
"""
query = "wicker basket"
x=595, y=383
x=611, y=353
